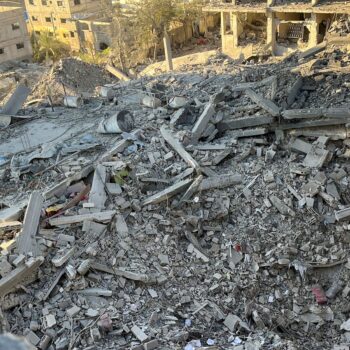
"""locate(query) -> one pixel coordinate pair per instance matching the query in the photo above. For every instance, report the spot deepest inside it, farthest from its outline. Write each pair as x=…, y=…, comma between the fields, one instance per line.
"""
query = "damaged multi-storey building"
x=275, y=27
x=14, y=37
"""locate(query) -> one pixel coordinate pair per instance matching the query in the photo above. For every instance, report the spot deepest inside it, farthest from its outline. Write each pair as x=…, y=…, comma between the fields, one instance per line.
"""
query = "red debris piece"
x=238, y=248
x=319, y=294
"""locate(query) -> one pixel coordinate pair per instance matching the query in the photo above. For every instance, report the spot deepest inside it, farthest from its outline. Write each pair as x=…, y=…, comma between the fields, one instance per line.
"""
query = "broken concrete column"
x=313, y=37
x=234, y=26
x=222, y=28
x=271, y=31
x=168, y=53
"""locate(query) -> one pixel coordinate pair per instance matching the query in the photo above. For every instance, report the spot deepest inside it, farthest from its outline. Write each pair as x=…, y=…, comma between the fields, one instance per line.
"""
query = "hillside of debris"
x=206, y=208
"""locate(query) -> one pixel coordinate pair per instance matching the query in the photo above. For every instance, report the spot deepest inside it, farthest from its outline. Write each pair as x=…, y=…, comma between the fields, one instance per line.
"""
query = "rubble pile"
x=13, y=72
x=193, y=210
x=71, y=76
x=290, y=2
x=340, y=26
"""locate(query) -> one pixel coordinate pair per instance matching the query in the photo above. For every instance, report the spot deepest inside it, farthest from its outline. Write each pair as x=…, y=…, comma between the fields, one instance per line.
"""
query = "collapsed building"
x=201, y=209
x=275, y=27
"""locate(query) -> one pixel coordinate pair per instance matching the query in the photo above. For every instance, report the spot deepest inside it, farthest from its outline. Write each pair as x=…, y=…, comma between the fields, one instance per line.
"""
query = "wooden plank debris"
x=26, y=242
x=19, y=275
x=103, y=216
x=168, y=192
x=177, y=146
x=264, y=103
x=202, y=122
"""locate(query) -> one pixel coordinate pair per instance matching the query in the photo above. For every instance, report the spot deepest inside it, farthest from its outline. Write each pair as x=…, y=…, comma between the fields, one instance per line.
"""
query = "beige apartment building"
x=274, y=27
x=14, y=37
x=60, y=17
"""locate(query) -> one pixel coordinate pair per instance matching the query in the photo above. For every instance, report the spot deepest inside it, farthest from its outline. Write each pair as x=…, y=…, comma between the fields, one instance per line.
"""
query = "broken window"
x=44, y=2
x=15, y=26
x=20, y=46
x=48, y=19
x=60, y=3
x=34, y=19
x=72, y=35
x=31, y=2
x=103, y=46
x=77, y=2
x=2, y=51
x=63, y=20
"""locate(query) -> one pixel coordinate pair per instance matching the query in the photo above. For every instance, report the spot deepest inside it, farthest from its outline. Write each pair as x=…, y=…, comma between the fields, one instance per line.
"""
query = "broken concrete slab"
x=220, y=181
x=98, y=194
x=26, y=241
x=168, y=192
x=19, y=275
x=246, y=122
x=104, y=216
x=202, y=122
x=264, y=103
x=14, y=104
x=294, y=91
x=176, y=145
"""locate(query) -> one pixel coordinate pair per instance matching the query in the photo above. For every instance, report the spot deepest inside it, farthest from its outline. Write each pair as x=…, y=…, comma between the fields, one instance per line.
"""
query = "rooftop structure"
x=264, y=27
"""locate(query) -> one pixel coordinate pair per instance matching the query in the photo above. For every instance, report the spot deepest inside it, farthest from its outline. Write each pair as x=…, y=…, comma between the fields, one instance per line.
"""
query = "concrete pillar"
x=314, y=2
x=168, y=53
x=271, y=31
x=313, y=37
x=223, y=29
x=234, y=27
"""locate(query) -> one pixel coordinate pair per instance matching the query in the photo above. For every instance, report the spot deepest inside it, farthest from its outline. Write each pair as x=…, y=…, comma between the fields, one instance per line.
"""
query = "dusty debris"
x=218, y=219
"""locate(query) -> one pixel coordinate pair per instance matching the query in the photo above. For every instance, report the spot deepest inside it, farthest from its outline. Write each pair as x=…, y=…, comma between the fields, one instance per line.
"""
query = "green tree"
x=47, y=47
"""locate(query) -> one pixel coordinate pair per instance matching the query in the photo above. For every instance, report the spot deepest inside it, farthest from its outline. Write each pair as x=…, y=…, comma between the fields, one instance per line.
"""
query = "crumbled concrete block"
x=31, y=337
x=139, y=334
x=151, y=345
x=73, y=311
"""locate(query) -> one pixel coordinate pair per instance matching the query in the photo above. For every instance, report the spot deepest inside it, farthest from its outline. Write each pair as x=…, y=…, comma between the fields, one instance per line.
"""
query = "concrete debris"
x=219, y=218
